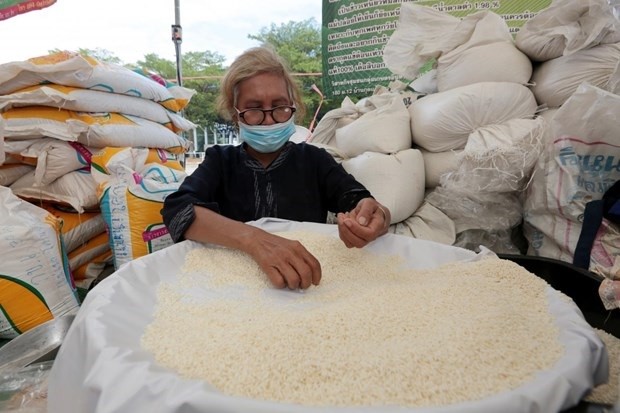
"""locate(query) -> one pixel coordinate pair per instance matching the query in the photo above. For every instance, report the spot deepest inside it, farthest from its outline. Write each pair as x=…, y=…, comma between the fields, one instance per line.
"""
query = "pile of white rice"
x=372, y=333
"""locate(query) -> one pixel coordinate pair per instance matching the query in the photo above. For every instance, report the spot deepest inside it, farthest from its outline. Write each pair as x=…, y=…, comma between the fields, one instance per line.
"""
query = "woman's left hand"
x=365, y=223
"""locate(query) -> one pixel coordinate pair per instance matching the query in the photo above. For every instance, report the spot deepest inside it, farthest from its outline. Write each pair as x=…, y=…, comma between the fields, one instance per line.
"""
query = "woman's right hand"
x=286, y=262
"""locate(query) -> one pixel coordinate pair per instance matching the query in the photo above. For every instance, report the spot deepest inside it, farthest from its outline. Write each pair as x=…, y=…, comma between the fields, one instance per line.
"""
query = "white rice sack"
x=486, y=211
x=427, y=223
x=548, y=115
x=96, y=130
x=76, y=189
x=498, y=158
x=336, y=153
x=36, y=284
x=396, y=181
x=11, y=172
x=2, y=153
x=426, y=83
x=579, y=164
x=554, y=81
x=422, y=34
x=437, y=164
x=53, y=158
x=86, y=100
x=567, y=26
x=325, y=131
x=488, y=55
x=132, y=212
x=383, y=130
x=301, y=134
x=443, y=121
x=71, y=69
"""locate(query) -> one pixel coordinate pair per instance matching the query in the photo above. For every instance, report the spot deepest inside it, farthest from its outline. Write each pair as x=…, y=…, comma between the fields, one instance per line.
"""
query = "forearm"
x=211, y=227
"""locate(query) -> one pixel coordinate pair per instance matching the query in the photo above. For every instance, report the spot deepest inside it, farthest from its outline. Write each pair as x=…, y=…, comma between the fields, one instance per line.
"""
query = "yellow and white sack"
x=35, y=282
x=91, y=129
x=97, y=246
x=52, y=158
x=11, y=172
x=76, y=189
x=87, y=100
x=72, y=69
x=120, y=163
x=36, y=122
x=77, y=229
x=133, y=187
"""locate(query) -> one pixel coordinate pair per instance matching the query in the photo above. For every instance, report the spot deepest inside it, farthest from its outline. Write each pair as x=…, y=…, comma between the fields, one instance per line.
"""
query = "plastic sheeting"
x=101, y=366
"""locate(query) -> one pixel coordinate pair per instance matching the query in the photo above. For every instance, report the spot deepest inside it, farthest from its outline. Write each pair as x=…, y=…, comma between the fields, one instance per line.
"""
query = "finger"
x=275, y=277
x=352, y=234
x=307, y=266
x=315, y=269
x=290, y=275
x=303, y=270
x=364, y=211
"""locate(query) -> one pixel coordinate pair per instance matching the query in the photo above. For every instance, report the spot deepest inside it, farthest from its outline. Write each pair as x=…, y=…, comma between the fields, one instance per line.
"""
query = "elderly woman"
x=268, y=176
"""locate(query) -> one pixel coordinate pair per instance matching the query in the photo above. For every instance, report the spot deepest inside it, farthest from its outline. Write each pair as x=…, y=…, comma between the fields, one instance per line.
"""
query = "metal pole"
x=177, y=39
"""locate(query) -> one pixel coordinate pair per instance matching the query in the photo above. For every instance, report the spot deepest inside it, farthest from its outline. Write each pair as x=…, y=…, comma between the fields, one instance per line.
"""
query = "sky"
x=130, y=29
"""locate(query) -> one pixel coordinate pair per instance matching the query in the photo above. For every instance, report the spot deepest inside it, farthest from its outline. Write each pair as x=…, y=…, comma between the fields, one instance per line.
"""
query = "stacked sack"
x=476, y=126
x=577, y=46
x=132, y=186
x=35, y=281
x=372, y=140
x=58, y=112
x=571, y=42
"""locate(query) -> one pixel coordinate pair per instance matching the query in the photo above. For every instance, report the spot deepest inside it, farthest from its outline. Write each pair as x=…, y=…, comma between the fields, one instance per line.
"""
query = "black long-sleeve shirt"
x=302, y=184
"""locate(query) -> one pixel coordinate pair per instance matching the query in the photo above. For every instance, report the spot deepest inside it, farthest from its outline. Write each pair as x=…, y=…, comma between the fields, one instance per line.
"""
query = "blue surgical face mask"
x=267, y=138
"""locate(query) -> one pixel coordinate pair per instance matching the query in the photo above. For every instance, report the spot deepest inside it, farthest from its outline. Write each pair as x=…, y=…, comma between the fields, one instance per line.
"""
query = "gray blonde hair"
x=254, y=61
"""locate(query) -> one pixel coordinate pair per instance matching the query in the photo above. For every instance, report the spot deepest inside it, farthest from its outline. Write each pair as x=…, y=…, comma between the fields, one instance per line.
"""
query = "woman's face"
x=263, y=91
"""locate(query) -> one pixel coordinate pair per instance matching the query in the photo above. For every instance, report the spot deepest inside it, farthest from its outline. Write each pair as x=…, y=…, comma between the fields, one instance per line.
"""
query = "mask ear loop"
x=316, y=113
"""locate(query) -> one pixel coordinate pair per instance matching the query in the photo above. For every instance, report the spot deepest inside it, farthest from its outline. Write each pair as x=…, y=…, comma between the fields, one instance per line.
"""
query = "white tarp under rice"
x=101, y=366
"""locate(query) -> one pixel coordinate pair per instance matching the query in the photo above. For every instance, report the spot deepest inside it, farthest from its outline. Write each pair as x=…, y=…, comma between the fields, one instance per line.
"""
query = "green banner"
x=355, y=32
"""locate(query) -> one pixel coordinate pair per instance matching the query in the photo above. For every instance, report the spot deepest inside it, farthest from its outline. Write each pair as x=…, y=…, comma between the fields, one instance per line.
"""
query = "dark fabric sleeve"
x=342, y=189
x=350, y=199
x=197, y=189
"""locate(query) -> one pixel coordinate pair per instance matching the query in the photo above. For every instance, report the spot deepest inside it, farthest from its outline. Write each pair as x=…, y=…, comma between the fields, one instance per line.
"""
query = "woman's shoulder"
x=225, y=151
x=310, y=150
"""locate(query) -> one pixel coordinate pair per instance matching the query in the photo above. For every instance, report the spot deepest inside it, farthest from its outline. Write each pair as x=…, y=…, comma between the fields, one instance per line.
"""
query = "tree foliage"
x=299, y=43
x=103, y=55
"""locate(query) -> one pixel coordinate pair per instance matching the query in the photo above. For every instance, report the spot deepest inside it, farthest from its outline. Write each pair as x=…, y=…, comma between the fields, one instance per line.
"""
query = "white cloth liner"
x=101, y=366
